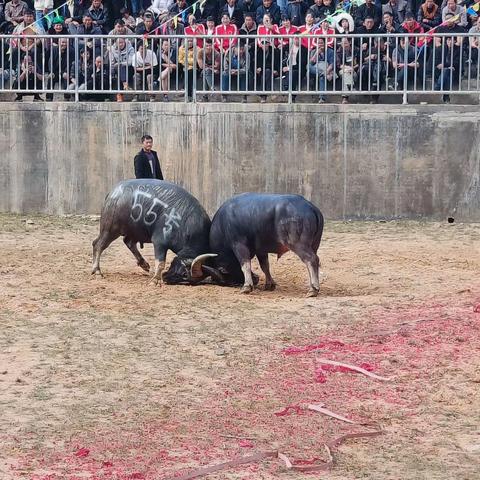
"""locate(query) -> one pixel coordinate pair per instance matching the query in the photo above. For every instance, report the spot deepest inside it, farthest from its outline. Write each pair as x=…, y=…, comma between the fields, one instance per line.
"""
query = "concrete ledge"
x=353, y=161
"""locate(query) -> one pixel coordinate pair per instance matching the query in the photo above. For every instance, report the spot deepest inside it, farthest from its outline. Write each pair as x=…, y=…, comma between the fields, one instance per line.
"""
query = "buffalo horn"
x=196, y=268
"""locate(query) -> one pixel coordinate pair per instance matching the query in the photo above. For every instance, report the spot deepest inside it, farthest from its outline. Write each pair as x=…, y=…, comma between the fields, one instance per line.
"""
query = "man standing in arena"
x=146, y=161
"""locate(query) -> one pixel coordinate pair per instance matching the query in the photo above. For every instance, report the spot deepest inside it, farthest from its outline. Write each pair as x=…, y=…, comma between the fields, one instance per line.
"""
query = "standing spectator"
x=195, y=29
x=100, y=16
x=209, y=60
x=144, y=64
x=447, y=66
x=235, y=70
x=234, y=12
x=321, y=67
x=454, y=9
x=296, y=10
x=121, y=55
x=347, y=65
x=368, y=9
x=14, y=12
x=209, y=8
x=404, y=62
x=42, y=8
x=28, y=78
x=268, y=61
x=429, y=15
x=226, y=28
x=186, y=58
x=168, y=67
x=146, y=164
x=272, y=9
x=398, y=9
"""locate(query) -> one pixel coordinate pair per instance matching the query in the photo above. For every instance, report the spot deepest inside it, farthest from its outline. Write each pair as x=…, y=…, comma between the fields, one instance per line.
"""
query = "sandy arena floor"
x=111, y=378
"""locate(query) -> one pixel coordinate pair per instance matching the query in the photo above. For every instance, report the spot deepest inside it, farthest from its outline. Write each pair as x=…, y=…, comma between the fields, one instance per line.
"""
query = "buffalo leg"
x=132, y=246
x=243, y=256
x=160, y=255
x=310, y=259
x=99, y=245
x=264, y=265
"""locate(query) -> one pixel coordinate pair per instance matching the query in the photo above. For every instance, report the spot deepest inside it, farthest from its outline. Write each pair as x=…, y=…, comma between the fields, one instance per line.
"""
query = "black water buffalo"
x=158, y=212
x=258, y=224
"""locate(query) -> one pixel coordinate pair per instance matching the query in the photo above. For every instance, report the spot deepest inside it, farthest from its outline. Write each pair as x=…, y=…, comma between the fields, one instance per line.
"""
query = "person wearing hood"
x=344, y=23
x=120, y=56
x=58, y=28
x=429, y=15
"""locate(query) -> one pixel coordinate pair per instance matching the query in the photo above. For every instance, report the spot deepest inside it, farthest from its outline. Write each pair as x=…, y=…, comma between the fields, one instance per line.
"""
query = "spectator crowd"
x=175, y=45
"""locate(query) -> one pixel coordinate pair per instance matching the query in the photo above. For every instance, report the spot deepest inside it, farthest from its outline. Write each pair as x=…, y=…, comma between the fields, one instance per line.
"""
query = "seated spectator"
x=268, y=6
x=81, y=72
x=208, y=8
x=368, y=9
x=475, y=42
x=172, y=28
x=19, y=47
x=144, y=64
x=208, y=60
x=234, y=13
x=447, y=66
x=325, y=30
x=28, y=26
x=168, y=66
x=236, y=70
x=296, y=10
x=186, y=58
x=226, y=28
x=128, y=20
x=249, y=26
x=268, y=58
x=195, y=29
x=404, y=62
x=119, y=28
x=316, y=10
x=100, y=79
x=136, y=7
x=429, y=15
x=14, y=12
x=88, y=28
x=368, y=28
x=160, y=8
x=398, y=9
x=327, y=9
x=372, y=65
x=74, y=14
x=210, y=26
x=344, y=23
x=120, y=57
x=100, y=16
x=321, y=67
x=347, y=64
x=148, y=26
x=58, y=29
x=389, y=25
x=28, y=78
x=286, y=29
x=178, y=8
x=306, y=31
x=454, y=9
x=410, y=25
x=451, y=27
x=58, y=66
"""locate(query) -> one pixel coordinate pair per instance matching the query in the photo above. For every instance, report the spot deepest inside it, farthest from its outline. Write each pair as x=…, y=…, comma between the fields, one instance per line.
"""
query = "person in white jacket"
x=42, y=8
x=160, y=8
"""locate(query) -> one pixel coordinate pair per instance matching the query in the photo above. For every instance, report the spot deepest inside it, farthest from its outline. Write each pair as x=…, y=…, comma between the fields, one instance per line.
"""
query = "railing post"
x=76, y=70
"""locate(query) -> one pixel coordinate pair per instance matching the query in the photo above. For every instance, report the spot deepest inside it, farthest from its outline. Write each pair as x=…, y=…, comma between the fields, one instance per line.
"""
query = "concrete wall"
x=357, y=161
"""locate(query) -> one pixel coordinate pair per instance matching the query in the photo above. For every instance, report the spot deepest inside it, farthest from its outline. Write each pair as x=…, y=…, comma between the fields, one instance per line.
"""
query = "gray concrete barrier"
x=353, y=161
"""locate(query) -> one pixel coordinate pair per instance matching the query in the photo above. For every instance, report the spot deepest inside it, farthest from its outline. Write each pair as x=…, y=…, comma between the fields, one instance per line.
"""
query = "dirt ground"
x=112, y=378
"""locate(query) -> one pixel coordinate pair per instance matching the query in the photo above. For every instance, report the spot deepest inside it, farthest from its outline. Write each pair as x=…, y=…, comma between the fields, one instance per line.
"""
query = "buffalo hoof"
x=270, y=287
x=246, y=289
x=313, y=292
x=144, y=266
x=97, y=272
x=156, y=282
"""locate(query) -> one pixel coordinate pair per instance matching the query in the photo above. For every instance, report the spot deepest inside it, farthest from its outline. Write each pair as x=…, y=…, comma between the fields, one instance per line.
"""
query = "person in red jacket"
x=410, y=25
x=226, y=28
x=194, y=29
x=325, y=30
x=287, y=29
x=307, y=30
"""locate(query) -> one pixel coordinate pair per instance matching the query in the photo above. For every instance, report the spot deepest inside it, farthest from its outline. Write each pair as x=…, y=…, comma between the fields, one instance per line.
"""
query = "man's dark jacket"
x=142, y=166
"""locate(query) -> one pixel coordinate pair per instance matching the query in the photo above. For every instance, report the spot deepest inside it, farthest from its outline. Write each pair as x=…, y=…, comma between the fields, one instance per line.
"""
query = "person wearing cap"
x=210, y=30
x=58, y=28
x=344, y=23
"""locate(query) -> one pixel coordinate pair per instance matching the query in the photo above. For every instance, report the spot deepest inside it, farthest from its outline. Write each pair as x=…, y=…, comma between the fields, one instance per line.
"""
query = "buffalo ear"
x=214, y=273
x=196, y=267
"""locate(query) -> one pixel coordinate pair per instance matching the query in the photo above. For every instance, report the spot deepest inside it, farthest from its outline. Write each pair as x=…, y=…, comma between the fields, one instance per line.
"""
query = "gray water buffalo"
x=254, y=224
x=158, y=212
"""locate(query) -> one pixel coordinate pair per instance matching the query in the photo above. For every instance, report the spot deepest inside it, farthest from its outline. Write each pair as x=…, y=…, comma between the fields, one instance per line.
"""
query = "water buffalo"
x=254, y=224
x=158, y=212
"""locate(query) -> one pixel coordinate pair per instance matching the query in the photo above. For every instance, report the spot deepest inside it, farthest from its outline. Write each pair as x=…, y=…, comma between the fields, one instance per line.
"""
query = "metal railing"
x=186, y=68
